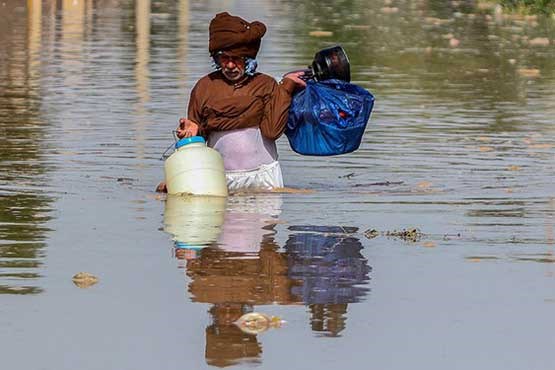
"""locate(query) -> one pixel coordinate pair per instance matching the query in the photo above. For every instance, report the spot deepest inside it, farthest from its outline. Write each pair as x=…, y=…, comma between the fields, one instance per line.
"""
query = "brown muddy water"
x=461, y=146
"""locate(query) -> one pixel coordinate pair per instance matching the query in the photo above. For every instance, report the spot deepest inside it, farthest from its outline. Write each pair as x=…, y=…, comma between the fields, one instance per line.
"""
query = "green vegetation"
x=530, y=6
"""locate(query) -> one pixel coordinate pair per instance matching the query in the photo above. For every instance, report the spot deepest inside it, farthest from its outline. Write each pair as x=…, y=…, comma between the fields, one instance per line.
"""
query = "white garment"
x=265, y=177
x=250, y=159
x=243, y=149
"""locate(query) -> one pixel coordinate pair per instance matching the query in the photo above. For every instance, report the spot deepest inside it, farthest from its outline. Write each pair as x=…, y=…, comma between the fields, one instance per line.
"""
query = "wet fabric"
x=243, y=149
x=235, y=35
x=266, y=177
x=328, y=118
x=217, y=104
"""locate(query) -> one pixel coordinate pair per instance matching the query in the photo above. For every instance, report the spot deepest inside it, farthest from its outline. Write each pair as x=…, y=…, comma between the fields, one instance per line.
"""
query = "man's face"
x=233, y=67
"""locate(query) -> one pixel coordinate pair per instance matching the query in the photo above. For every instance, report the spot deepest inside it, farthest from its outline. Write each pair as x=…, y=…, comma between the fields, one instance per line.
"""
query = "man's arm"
x=195, y=108
x=276, y=110
x=191, y=126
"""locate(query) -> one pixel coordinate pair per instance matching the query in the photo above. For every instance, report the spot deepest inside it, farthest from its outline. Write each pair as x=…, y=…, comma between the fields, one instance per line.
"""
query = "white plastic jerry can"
x=195, y=169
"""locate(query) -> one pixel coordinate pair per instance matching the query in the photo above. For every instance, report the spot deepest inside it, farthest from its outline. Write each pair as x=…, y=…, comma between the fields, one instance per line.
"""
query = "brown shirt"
x=217, y=104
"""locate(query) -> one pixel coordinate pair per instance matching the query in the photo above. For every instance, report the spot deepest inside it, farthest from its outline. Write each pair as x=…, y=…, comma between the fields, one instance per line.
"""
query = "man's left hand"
x=296, y=77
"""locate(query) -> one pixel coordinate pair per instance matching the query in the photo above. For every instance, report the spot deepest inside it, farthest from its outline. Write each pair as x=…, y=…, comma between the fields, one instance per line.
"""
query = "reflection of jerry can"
x=194, y=221
x=195, y=169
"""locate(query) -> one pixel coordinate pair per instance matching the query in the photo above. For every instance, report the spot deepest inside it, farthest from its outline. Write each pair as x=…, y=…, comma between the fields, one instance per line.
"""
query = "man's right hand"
x=187, y=128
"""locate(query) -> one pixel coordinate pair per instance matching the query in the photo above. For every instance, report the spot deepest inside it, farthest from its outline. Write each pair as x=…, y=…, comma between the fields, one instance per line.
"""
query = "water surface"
x=460, y=146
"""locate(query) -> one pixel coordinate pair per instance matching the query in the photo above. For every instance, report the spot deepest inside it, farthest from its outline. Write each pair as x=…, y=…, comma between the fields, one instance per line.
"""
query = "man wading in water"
x=240, y=112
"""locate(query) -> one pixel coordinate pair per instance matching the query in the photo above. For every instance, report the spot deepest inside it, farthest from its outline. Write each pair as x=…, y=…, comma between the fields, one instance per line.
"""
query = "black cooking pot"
x=331, y=63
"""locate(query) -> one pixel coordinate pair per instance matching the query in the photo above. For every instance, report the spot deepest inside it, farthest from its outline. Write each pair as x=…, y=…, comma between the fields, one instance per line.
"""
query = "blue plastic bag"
x=328, y=118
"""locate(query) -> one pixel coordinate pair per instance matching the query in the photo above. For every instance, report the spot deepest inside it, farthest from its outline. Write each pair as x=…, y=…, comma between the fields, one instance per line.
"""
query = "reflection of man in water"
x=184, y=253
x=234, y=282
x=330, y=270
x=244, y=268
x=241, y=268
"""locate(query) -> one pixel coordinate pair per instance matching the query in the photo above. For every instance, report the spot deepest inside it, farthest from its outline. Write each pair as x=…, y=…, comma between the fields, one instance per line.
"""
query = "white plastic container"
x=195, y=169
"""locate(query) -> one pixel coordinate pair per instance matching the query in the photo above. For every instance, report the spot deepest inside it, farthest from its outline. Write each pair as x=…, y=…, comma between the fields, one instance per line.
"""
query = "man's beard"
x=233, y=74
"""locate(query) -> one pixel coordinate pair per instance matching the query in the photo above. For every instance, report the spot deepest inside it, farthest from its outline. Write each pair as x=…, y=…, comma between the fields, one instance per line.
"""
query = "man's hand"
x=187, y=128
x=296, y=77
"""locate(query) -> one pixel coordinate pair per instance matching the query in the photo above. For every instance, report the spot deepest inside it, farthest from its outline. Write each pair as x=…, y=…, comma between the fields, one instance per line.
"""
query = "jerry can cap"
x=189, y=140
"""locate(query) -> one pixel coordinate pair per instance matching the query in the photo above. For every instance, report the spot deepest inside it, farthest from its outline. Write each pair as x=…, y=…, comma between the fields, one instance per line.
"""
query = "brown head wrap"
x=235, y=35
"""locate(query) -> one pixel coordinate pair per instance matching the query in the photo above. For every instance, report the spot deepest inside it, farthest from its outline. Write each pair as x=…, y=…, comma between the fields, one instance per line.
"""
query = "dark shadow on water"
x=238, y=265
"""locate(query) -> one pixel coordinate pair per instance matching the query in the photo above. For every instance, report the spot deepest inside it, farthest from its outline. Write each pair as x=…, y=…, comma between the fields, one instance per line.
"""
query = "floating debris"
x=255, y=323
x=84, y=279
x=451, y=236
x=371, y=233
x=383, y=183
x=408, y=235
x=125, y=179
x=347, y=176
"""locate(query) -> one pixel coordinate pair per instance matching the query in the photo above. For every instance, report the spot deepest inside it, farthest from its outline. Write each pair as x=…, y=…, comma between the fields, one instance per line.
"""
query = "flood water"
x=461, y=146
